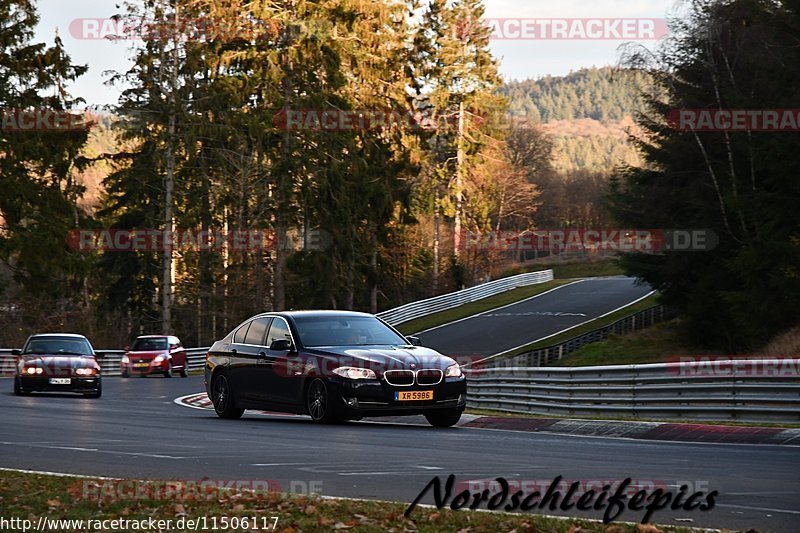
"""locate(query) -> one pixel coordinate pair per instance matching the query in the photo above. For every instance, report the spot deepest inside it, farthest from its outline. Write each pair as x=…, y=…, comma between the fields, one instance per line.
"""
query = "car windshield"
x=318, y=331
x=147, y=345
x=56, y=346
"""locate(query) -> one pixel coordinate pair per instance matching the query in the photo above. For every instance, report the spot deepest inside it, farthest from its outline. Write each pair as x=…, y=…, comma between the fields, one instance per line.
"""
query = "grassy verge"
x=601, y=418
x=29, y=496
x=641, y=305
x=655, y=344
x=504, y=298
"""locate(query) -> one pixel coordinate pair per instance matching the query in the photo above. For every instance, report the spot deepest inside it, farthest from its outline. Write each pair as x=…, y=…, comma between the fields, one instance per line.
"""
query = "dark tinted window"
x=278, y=331
x=258, y=328
x=240, y=334
x=146, y=345
x=345, y=331
x=56, y=346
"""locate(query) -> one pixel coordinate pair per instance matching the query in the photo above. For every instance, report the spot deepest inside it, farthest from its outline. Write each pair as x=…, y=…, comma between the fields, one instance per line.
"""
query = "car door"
x=286, y=378
x=259, y=363
x=240, y=363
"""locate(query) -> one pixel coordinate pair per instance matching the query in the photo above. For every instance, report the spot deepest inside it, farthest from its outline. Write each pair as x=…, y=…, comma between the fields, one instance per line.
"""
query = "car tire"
x=444, y=418
x=168, y=371
x=223, y=399
x=318, y=403
x=125, y=374
x=97, y=393
x=18, y=390
x=184, y=372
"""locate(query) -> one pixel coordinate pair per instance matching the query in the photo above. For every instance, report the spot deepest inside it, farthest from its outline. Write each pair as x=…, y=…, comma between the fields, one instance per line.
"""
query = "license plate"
x=60, y=381
x=413, y=395
x=141, y=365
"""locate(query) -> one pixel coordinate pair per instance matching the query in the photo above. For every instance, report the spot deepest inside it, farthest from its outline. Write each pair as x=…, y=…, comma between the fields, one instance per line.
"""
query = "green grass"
x=641, y=305
x=655, y=344
x=29, y=496
x=492, y=302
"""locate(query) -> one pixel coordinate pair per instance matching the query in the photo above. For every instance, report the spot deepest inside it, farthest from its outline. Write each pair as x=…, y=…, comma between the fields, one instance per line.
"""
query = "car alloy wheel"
x=318, y=402
x=222, y=398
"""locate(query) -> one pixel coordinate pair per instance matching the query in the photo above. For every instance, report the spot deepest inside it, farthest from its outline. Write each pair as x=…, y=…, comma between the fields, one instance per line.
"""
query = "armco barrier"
x=109, y=360
x=412, y=310
x=767, y=390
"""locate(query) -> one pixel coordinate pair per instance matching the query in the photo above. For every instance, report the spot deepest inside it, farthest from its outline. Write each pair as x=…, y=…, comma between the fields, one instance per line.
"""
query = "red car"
x=154, y=354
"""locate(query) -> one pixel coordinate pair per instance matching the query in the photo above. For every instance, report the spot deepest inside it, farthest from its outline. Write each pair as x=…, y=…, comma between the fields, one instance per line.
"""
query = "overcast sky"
x=528, y=58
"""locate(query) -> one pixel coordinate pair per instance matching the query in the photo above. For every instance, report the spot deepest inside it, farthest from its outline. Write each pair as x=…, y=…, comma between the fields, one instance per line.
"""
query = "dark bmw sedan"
x=333, y=366
x=57, y=362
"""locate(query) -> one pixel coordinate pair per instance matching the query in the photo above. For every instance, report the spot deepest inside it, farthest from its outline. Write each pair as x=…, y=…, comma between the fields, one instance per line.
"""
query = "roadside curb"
x=660, y=431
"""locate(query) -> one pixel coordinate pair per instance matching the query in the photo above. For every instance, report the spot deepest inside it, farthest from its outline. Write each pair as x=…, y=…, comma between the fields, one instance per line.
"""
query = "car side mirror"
x=414, y=341
x=127, y=348
x=16, y=352
x=281, y=345
x=173, y=346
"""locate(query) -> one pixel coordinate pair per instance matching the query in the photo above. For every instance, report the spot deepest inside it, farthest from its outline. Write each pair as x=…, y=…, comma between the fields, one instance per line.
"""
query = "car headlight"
x=158, y=359
x=33, y=370
x=86, y=371
x=453, y=371
x=351, y=372
x=125, y=360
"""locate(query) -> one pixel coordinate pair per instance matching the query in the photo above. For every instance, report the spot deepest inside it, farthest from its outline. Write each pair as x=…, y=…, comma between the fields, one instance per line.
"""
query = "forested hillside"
x=588, y=113
x=603, y=94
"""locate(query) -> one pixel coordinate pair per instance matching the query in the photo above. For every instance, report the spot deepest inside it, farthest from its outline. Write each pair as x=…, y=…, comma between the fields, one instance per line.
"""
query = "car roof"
x=73, y=335
x=154, y=336
x=315, y=313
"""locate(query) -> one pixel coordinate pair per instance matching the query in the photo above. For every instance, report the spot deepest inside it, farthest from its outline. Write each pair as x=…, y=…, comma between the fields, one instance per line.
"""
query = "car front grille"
x=429, y=376
x=406, y=378
x=399, y=378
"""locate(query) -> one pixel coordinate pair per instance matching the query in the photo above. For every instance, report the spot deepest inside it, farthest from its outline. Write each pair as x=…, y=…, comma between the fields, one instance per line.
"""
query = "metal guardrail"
x=109, y=360
x=549, y=354
x=412, y=310
x=749, y=390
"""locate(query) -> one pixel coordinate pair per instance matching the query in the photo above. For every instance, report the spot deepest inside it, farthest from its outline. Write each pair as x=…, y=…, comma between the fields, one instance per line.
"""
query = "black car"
x=333, y=366
x=57, y=362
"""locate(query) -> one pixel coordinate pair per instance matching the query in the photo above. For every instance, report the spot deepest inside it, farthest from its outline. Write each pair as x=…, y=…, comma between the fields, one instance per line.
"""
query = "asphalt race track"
x=521, y=323
x=137, y=431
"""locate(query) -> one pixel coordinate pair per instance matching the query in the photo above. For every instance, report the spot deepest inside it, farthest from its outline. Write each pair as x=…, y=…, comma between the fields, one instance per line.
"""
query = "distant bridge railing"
x=749, y=390
x=413, y=310
x=109, y=360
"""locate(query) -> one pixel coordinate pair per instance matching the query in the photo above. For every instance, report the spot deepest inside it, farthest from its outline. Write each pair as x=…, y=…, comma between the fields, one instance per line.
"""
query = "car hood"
x=388, y=357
